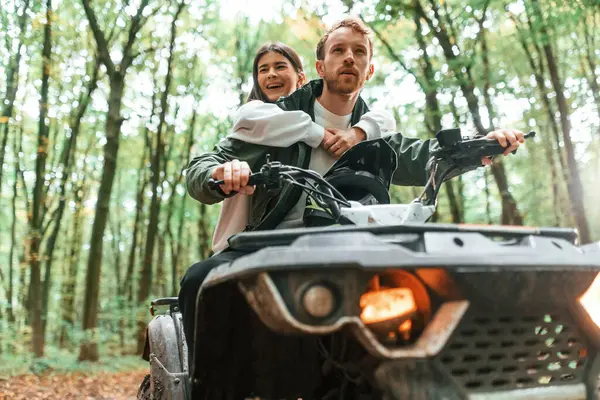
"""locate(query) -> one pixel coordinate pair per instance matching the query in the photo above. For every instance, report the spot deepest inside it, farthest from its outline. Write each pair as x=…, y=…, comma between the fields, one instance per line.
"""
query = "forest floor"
x=122, y=385
x=60, y=376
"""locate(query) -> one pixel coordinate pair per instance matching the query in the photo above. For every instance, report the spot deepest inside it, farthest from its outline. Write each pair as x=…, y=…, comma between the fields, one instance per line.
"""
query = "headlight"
x=319, y=301
x=387, y=304
x=396, y=307
x=590, y=300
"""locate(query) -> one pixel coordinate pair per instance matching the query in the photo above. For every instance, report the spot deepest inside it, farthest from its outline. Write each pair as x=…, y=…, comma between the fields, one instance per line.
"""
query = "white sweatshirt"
x=267, y=124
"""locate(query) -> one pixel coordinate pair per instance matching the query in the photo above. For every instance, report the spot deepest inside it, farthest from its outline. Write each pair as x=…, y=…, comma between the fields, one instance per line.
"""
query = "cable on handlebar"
x=341, y=199
x=442, y=179
x=320, y=193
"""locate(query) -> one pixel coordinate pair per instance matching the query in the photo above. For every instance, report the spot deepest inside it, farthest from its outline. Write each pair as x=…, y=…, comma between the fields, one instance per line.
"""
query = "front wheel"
x=144, y=392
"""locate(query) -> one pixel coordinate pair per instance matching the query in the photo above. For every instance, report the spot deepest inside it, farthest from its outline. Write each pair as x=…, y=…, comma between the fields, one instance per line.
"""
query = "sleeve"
x=377, y=123
x=267, y=124
x=414, y=160
x=200, y=169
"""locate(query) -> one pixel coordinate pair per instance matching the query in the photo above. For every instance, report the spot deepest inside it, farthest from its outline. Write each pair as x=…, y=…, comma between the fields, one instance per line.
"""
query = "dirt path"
x=100, y=386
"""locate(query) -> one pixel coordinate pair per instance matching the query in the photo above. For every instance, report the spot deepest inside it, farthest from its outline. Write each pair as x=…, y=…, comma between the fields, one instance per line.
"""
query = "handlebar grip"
x=213, y=183
x=490, y=147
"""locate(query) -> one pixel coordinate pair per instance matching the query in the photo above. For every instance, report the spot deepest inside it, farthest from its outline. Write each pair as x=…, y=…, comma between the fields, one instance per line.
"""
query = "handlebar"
x=456, y=151
x=464, y=153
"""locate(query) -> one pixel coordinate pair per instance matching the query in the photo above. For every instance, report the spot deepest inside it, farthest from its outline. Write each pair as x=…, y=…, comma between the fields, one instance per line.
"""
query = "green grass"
x=62, y=361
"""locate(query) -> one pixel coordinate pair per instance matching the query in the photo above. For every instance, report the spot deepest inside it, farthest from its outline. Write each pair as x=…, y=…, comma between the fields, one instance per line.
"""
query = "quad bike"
x=380, y=305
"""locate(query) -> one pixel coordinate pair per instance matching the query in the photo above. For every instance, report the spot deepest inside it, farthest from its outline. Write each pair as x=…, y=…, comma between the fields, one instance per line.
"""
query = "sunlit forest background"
x=104, y=102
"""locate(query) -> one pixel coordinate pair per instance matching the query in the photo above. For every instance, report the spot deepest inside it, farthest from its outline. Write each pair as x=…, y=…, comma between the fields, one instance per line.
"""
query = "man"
x=344, y=56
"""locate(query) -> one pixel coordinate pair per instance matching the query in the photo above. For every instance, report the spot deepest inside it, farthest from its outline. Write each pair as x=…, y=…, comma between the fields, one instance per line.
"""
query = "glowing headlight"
x=387, y=304
x=590, y=300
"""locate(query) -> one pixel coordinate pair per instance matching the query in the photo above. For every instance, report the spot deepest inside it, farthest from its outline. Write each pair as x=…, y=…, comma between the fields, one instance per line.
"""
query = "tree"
x=462, y=71
x=116, y=72
x=146, y=275
x=36, y=298
x=574, y=182
x=12, y=84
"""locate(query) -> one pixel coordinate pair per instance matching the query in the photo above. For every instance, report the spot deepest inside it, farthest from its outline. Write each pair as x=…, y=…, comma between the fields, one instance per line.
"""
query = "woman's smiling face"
x=277, y=77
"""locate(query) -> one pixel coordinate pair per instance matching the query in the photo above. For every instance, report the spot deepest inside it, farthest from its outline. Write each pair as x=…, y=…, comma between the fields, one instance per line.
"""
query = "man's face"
x=347, y=62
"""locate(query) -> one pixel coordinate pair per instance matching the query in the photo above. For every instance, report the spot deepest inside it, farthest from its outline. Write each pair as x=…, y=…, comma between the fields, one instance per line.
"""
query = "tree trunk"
x=139, y=212
x=67, y=156
x=70, y=281
x=467, y=84
x=36, y=298
x=433, y=114
x=161, y=281
x=510, y=212
x=590, y=57
x=146, y=276
x=18, y=145
x=574, y=184
x=203, y=234
x=175, y=242
x=89, y=348
x=558, y=178
x=176, y=250
x=12, y=84
x=116, y=73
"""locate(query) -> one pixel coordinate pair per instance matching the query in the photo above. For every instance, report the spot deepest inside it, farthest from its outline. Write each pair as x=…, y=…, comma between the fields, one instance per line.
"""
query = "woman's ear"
x=301, y=80
x=320, y=68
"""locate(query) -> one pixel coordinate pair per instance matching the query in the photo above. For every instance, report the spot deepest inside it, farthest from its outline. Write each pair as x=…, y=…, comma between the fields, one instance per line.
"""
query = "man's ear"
x=301, y=80
x=320, y=68
x=371, y=71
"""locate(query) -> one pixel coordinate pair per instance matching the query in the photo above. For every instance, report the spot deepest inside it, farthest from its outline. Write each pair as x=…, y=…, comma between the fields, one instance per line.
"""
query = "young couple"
x=307, y=125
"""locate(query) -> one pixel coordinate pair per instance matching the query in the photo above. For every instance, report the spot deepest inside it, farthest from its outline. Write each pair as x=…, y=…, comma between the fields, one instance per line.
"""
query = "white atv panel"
x=387, y=214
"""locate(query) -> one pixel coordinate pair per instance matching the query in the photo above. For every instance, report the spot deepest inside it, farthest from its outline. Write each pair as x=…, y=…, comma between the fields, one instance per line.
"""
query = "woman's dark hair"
x=256, y=93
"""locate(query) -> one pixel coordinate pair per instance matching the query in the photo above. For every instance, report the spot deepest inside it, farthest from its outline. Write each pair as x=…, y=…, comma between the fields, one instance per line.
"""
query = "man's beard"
x=336, y=83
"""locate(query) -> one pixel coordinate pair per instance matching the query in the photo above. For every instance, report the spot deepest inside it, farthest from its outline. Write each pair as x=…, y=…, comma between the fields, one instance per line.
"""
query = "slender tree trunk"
x=18, y=144
x=175, y=242
x=488, y=203
x=12, y=84
x=38, y=200
x=574, y=184
x=203, y=234
x=146, y=277
x=176, y=250
x=161, y=282
x=116, y=73
x=66, y=159
x=467, y=84
x=433, y=114
x=70, y=281
x=510, y=212
x=139, y=212
x=590, y=57
x=120, y=298
x=558, y=178
x=89, y=348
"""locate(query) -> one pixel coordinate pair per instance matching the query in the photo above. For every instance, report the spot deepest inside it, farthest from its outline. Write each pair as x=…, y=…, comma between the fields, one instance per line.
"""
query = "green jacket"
x=268, y=211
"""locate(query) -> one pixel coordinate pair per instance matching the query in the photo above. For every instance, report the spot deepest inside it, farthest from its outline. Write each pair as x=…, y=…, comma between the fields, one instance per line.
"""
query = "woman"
x=276, y=72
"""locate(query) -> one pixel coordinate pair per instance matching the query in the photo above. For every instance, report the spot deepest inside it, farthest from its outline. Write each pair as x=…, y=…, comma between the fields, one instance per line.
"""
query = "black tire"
x=144, y=392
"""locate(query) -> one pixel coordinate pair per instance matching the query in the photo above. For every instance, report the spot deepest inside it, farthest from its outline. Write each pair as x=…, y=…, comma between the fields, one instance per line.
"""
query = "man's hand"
x=337, y=141
x=509, y=138
x=235, y=174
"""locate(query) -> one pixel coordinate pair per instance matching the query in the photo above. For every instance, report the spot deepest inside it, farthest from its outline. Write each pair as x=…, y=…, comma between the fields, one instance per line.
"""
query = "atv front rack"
x=250, y=241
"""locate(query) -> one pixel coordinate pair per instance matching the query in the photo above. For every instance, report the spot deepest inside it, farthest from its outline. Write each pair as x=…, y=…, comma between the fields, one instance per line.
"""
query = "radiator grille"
x=491, y=351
